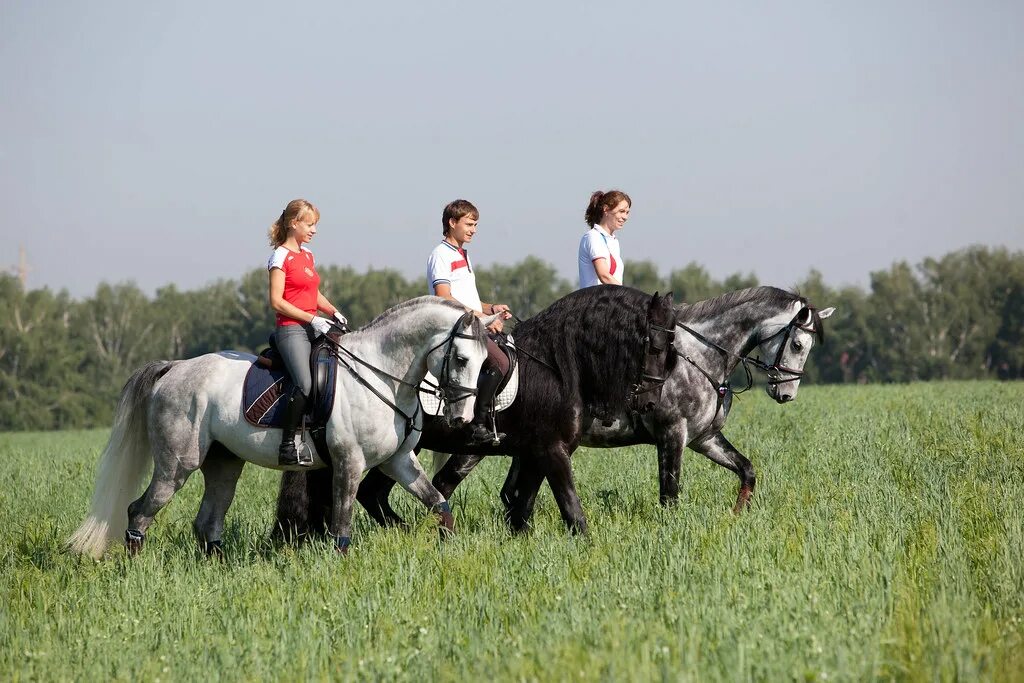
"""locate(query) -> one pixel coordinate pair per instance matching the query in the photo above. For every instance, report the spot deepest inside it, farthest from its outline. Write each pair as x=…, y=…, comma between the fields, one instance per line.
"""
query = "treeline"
x=63, y=361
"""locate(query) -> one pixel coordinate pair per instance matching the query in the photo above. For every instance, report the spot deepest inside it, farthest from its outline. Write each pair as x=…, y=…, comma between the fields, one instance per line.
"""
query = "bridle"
x=776, y=373
x=776, y=370
x=446, y=389
x=658, y=340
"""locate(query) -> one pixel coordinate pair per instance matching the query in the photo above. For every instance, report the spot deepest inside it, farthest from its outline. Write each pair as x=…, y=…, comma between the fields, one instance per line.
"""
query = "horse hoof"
x=215, y=550
x=446, y=524
x=743, y=500
x=341, y=545
x=133, y=541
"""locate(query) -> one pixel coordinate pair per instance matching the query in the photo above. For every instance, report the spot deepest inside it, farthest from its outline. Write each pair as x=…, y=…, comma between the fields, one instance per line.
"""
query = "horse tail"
x=124, y=463
x=437, y=462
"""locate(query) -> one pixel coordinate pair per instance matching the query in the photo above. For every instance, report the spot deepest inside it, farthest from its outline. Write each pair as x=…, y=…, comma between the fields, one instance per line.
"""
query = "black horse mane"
x=594, y=340
x=769, y=296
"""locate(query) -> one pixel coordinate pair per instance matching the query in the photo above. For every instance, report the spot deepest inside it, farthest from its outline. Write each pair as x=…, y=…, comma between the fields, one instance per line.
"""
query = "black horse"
x=596, y=356
x=578, y=397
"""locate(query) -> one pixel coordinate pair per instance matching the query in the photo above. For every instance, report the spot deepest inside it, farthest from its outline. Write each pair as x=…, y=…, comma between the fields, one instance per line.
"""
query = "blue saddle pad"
x=265, y=390
x=263, y=396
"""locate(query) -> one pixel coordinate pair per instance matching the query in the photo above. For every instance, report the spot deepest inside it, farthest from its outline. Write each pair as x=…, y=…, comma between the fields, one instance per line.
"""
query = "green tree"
x=527, y=287
x=692, y=283
x=40, y=364
x=644, y=276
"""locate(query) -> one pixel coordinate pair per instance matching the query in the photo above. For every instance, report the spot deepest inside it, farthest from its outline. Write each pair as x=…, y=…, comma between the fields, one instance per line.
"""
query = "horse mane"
x=594, y=340
x=769, y=296
x=384, y=318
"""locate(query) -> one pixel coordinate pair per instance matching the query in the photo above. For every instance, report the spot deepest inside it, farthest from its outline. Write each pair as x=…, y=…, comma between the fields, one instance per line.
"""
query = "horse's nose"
x=786, y=398
x=458, y=421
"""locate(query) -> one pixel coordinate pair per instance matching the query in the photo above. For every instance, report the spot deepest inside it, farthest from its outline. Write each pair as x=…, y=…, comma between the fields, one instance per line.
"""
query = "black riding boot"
x=484, y=430
x=286, y=454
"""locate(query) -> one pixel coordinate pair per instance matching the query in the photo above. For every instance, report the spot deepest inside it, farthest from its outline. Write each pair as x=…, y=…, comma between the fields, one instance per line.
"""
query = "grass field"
x=885, y=542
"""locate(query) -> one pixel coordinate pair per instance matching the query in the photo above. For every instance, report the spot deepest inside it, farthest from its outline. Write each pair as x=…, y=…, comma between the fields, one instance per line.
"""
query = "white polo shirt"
x=597, y=243
x=450, y=265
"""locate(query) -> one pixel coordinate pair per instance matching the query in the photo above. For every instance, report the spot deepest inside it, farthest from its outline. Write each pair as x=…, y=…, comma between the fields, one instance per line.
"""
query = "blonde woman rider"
x=296, y=299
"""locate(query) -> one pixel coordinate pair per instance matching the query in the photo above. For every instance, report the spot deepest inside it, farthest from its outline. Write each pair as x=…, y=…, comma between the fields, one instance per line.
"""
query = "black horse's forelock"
x=594, y=340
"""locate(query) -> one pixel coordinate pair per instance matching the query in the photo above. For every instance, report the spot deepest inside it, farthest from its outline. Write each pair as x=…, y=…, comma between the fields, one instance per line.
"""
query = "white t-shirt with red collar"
x=450, y=265
x=597, y=243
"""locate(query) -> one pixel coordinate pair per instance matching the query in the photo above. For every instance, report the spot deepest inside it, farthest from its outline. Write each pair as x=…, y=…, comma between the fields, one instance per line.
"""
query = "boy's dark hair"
x=455, y=211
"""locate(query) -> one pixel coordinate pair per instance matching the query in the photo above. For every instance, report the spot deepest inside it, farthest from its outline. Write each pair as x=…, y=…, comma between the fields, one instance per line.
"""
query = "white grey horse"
x=187, y=415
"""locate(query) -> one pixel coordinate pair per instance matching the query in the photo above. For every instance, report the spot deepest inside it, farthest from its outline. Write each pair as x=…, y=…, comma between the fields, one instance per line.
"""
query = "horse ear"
x=467, y=318
x=826, y=312
x=803, y=317
x=657, y=301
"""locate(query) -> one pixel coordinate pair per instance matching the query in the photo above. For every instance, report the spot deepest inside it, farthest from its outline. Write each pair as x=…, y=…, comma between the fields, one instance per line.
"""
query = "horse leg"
x=719, y=450
x=454, y=471
x=373, y=495
x=405, y=468
x=510, y=483
x=221, y=469
x=523, y=494
x=165, y=483
x=564, y=489
x=303, y=505
x=347, y=473
x=670, y=459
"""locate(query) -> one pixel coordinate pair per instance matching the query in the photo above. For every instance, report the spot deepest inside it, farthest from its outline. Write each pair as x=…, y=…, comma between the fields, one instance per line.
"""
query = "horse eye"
x=461, y=360
x=797, y=345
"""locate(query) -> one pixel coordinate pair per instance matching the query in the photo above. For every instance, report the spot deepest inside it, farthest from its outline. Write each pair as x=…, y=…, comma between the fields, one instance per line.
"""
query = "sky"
x=156, y=142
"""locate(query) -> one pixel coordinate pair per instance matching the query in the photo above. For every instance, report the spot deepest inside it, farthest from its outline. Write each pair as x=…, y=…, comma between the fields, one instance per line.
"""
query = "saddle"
x=268, y=382
x=505, y=395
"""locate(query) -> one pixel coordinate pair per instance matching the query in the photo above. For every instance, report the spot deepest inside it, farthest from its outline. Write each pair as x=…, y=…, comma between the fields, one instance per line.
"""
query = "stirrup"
x=304, y=454
x=289, y=454
x=480, y=435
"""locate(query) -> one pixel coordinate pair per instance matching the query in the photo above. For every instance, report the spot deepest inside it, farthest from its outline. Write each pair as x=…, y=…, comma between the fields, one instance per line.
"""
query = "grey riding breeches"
x=294, y=342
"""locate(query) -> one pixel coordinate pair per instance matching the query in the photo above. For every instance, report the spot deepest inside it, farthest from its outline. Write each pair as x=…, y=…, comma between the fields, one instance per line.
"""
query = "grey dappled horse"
x=187, y=415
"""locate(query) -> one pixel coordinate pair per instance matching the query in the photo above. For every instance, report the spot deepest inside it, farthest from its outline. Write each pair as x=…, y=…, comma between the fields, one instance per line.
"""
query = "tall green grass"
x=885, y=542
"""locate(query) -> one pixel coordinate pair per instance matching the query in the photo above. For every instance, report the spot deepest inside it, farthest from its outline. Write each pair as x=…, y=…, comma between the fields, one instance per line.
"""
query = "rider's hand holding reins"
x=503, y=312
x=320, y=325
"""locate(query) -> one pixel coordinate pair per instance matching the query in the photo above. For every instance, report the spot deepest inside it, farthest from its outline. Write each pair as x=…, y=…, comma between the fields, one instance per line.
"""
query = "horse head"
x=456, y=362
x=789, y=344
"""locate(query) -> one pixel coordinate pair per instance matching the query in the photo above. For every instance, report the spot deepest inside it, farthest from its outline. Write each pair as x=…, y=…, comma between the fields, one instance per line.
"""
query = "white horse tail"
x=437, y=462
x=124, y=463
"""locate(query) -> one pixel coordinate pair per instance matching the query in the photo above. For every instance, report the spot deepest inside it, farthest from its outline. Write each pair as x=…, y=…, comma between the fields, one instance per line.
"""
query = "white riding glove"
x=340, y=318
x=320, y=325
